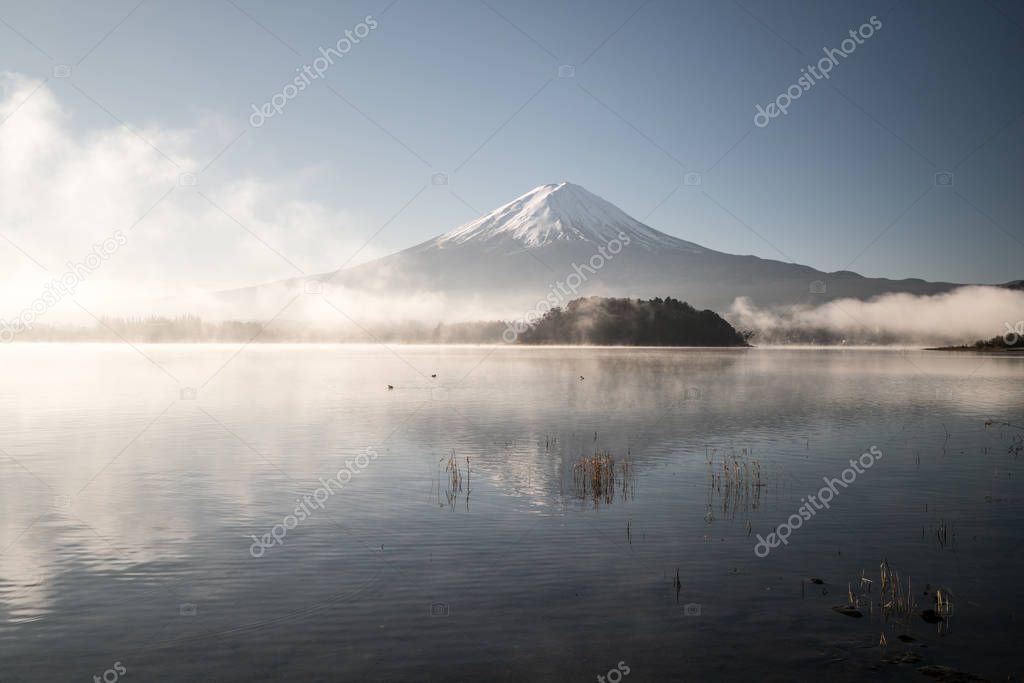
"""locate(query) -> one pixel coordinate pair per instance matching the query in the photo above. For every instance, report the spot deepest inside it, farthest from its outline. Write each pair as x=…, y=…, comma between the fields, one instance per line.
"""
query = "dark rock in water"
x=944, y=674
x=817, y=581
x=907, y=639
x=931, y=616
x=848, y=611
x=908, y=658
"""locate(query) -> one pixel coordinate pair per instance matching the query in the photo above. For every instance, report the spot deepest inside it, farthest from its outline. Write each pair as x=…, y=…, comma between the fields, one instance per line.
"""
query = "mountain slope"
x=556, y=239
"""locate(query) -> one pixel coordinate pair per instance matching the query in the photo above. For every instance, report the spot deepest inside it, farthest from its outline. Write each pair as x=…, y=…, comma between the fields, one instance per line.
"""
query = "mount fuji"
x=516, y=254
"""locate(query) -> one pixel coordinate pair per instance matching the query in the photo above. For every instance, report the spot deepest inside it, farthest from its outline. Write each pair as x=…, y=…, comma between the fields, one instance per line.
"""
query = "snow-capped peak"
x=553, y=213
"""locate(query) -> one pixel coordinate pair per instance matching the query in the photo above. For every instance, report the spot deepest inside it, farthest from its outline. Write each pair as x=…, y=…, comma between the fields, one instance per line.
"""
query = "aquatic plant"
x=737, y=482
x=1016, y=441
x=942, y=535
x=453, y=476
x=594, y=478
x=895, y=597
x=897, y=602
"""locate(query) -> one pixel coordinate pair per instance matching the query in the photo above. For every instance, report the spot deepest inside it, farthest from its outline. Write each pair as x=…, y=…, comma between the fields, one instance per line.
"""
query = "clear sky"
x=474, y=89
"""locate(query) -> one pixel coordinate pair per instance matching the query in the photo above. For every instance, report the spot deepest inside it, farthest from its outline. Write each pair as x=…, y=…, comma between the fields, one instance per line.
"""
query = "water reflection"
x=507, y=489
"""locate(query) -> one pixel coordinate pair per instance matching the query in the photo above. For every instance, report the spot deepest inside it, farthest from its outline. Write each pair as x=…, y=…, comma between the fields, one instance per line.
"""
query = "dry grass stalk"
x=737, y=483
x=897, y=602
x=454, y=475
x=594, y=478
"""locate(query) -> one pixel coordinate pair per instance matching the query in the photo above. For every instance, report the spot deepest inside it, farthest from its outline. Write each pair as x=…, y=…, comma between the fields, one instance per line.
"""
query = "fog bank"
x=961, y=316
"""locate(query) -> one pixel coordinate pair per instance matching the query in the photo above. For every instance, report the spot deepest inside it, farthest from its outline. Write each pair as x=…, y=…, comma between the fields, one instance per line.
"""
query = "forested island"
x=632, y=322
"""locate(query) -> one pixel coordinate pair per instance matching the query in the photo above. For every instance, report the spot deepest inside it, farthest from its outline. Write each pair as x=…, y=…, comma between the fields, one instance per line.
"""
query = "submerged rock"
x=848, y=611
x=908, y=658
x=948, y=675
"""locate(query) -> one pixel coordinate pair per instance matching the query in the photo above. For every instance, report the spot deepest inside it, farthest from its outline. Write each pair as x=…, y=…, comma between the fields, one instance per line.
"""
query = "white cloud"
x=63, y=189
x=960, y=316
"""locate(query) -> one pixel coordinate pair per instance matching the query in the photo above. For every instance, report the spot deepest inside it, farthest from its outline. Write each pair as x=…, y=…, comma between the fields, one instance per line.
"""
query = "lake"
x=163, y=512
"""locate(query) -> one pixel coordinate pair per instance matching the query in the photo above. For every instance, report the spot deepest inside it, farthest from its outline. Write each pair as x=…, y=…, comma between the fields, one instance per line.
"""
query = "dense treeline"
x=632, y=322
x=594, y=320
x=1006, y=342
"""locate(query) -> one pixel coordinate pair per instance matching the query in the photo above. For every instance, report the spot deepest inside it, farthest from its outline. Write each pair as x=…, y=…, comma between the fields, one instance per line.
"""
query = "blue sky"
x=660, y=89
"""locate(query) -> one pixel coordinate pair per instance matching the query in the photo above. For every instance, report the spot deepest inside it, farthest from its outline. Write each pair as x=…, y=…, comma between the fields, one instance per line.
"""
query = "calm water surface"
x=129, y=510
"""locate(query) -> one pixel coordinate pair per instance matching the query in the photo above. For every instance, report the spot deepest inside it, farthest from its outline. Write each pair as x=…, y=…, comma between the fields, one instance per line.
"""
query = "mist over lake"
x=135, y=516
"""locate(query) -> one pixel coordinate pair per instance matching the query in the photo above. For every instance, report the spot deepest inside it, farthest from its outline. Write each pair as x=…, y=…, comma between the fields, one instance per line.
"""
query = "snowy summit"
x=557, y=213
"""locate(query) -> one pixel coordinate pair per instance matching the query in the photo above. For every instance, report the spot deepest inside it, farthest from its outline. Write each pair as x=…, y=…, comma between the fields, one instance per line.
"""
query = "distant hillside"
x=632, y=322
